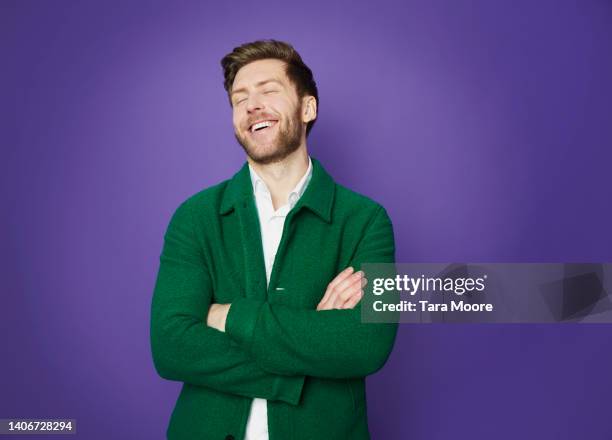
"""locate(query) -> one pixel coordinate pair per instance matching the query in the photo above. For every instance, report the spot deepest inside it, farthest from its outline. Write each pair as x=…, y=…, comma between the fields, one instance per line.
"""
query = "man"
x=257, y=302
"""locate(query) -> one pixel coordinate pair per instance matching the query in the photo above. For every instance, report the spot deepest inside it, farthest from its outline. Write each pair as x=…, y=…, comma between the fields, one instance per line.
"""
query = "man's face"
x=267, y=113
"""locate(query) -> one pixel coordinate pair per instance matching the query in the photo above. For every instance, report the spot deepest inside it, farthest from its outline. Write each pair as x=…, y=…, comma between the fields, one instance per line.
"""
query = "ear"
x=309, y=109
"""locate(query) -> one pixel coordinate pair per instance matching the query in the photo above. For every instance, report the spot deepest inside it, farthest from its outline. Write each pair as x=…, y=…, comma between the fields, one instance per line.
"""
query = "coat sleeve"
x=329, y=343
x=184, y=348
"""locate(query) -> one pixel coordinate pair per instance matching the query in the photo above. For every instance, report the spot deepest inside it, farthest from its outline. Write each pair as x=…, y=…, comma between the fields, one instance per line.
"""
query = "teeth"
x=260, y=125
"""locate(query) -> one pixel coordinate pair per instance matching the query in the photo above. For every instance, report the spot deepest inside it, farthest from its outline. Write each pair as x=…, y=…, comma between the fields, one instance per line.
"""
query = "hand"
x=217, y=314
x=345, y=291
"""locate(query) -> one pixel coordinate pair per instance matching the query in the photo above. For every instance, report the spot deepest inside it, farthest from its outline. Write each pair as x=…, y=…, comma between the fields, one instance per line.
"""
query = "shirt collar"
x=259, y=186
x=318, y=197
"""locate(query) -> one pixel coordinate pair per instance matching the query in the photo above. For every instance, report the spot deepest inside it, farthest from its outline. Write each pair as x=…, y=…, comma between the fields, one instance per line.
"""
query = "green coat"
x=310, y=365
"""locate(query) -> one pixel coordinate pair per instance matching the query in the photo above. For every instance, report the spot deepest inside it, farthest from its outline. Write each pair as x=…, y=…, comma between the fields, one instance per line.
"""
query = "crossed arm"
x=183, y=347
x=344, y=292
x=266, y=349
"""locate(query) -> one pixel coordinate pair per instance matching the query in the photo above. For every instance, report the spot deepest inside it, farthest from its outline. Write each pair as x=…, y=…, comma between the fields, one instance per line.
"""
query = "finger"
x=336, y=293
x=349, y=292
x=349, y=281
x=328, y=292
x=353, y=301
x=341, y=277
x=343, y=291
x=351, y=289
x=324, y=300
x=330, y=287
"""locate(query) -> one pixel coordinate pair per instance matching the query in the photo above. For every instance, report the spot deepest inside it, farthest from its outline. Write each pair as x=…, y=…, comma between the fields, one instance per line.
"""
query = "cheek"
x=236, y=121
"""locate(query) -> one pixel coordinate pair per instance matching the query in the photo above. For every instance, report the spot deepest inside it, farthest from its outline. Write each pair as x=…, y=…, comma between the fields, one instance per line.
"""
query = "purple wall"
x=482, y=126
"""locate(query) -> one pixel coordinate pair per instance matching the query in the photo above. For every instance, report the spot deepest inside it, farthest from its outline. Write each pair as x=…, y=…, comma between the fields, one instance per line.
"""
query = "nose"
x=254, y=103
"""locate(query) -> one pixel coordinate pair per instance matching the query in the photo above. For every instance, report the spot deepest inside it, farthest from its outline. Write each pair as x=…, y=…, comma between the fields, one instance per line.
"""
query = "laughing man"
x=256, y=307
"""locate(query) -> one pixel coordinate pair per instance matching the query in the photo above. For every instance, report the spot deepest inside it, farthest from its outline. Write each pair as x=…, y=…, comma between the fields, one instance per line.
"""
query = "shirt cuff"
x=241, y=320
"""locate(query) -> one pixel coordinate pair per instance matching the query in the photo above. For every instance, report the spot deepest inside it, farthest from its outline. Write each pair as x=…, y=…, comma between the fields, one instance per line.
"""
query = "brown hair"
x=296, y=70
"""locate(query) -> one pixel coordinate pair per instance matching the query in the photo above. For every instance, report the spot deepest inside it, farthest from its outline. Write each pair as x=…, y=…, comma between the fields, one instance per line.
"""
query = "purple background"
x=482, y=126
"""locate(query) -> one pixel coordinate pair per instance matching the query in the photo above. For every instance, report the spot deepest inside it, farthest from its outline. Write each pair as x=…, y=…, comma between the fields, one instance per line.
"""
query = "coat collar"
x=318, y=197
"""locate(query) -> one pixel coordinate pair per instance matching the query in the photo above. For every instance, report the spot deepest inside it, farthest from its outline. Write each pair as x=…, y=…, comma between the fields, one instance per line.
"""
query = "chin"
x=267, y=157
x=263, y=150
x=273, y=151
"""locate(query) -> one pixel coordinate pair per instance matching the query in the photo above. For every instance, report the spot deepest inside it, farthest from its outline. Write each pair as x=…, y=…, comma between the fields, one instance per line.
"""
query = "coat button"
x=229, y=437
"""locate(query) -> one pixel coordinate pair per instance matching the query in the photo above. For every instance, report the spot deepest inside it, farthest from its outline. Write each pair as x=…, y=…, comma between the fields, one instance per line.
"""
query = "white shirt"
x=271, y=224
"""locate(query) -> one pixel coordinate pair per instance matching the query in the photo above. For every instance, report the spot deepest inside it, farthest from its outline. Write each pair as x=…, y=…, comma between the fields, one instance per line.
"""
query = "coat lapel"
x=239, y=199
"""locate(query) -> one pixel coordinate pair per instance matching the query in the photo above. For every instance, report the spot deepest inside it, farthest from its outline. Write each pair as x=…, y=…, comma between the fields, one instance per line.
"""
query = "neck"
x=281, y=177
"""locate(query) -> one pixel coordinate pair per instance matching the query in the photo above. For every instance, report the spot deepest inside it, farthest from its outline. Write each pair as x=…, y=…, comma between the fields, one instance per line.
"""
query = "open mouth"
x=262, y=126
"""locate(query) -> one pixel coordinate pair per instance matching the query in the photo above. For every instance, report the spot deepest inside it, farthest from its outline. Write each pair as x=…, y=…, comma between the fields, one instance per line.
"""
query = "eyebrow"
x=259, y=84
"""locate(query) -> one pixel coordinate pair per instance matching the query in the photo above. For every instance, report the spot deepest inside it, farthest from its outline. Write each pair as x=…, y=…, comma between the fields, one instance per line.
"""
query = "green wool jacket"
x=310, y=365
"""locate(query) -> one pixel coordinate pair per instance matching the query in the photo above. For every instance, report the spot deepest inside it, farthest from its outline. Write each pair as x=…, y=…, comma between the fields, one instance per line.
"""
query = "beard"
x=288, y=139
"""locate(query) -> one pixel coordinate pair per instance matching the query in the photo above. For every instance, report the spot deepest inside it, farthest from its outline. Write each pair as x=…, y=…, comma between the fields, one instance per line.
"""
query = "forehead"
x=258, y=71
